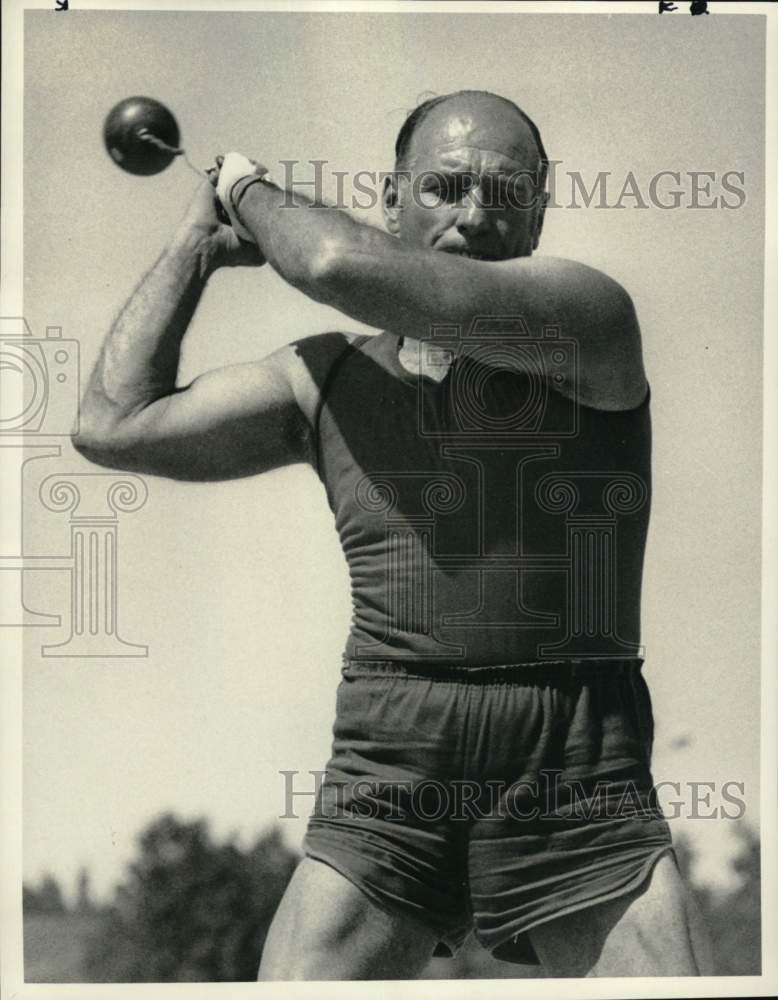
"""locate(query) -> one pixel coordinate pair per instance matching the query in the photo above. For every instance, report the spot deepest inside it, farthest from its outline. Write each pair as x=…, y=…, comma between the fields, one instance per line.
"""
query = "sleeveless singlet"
x=486, y=519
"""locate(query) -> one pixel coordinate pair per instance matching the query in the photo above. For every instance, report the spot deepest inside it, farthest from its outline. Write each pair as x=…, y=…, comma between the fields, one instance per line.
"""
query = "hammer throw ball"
x=141, y=136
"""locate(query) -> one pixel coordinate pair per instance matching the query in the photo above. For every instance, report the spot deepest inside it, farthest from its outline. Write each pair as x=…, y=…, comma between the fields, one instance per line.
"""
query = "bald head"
x=470, y=178
x=472, y=117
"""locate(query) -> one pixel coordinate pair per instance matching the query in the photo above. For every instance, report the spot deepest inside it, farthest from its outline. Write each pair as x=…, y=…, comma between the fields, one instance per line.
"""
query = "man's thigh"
x=326, y=928
x=654, y=931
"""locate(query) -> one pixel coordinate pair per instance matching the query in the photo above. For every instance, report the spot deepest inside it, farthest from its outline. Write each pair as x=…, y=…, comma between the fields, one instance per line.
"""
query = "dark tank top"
x=486, y=519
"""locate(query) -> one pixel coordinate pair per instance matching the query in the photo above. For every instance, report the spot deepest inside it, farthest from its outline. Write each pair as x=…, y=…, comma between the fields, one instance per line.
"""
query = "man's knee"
x=315, y=918
x=670, y=909
x=660, y=906
x=646, y=932
x=327, y=928
x=657, y=927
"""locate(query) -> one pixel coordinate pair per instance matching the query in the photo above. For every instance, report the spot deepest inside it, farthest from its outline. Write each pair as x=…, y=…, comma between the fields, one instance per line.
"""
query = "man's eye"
x=452, y=188
x=449, y=189
x=515, y=192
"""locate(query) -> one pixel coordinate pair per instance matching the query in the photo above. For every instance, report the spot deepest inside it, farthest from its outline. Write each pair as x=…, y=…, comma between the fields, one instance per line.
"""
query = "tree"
x=47, y=898
x=734, y=918
x=83, y=892
x=191, y=910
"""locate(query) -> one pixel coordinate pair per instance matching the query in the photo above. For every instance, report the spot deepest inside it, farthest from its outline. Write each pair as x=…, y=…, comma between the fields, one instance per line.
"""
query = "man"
x=494, y=649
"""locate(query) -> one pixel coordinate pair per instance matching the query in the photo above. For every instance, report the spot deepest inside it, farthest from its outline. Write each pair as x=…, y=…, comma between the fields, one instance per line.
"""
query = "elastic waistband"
x=530, y=672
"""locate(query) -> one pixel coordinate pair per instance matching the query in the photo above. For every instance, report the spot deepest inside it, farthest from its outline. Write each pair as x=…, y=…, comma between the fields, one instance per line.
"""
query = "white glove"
x=234, y=168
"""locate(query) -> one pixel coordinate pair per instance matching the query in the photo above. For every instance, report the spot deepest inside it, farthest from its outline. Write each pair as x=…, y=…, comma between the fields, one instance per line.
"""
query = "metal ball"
x=126, y=125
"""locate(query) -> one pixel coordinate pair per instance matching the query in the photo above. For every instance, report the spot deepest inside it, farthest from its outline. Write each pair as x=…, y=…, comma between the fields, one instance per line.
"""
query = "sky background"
x=239, y=589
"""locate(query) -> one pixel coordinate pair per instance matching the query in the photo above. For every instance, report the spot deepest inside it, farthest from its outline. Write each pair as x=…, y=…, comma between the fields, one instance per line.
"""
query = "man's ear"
x=539, y=219
x=390, y=202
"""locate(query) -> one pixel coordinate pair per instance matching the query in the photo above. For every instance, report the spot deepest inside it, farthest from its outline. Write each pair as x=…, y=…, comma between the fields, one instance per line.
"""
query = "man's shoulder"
x=309, y=361
x=582, y=291
x=324, y=346
x=315, y=355
x=598, y=314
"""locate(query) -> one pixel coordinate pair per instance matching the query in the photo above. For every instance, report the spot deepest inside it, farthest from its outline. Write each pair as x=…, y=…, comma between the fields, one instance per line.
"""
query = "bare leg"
x=655, y=931
x=326, y=928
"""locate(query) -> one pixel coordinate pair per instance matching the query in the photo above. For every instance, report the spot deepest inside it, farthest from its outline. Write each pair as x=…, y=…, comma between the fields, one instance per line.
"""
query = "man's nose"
x=473, y=215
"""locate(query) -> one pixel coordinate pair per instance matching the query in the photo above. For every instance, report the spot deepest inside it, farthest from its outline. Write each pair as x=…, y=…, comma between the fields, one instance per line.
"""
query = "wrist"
x=193, y=248
x=236, y=172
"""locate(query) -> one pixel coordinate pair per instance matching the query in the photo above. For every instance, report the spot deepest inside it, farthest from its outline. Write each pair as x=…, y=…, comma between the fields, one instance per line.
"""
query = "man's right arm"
x=232, y=422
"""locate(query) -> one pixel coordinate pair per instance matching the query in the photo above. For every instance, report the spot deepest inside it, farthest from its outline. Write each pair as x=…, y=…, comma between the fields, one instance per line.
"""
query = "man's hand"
x=219, y=242
x=233, y=169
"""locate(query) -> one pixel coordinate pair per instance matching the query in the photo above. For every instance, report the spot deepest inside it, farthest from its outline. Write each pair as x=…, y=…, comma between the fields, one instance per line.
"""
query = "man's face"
x=472, y=162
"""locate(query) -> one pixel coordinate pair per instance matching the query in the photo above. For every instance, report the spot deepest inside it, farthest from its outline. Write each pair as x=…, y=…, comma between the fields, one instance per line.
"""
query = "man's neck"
x=422, y=358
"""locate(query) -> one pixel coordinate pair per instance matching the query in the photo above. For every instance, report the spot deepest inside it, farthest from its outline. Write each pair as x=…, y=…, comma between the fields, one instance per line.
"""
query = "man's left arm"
x=377, y=279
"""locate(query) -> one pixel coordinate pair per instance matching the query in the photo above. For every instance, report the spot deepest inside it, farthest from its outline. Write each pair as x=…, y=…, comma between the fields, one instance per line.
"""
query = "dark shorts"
x=490, y=798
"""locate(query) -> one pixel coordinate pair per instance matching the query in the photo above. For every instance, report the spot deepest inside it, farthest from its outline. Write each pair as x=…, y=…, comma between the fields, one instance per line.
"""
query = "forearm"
x=298, y=236
x=378, y=279
x=355, y=267
x=139, y=359
x=383, y=281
